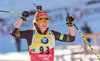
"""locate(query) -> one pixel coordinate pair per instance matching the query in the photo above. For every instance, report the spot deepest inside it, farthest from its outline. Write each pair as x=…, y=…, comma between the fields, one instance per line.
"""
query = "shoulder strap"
x=35, y=31
x=52, y=34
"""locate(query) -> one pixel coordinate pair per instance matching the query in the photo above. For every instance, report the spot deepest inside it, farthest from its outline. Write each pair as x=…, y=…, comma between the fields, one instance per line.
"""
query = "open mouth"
x=44, y=25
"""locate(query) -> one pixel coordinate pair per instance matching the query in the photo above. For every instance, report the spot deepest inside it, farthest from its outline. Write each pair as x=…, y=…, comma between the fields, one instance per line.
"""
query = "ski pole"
x=10, y=12
x=87, y=42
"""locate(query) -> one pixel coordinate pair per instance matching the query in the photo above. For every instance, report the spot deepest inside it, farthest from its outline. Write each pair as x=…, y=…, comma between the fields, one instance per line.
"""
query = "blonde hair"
x=34, y=26
x=34, y=21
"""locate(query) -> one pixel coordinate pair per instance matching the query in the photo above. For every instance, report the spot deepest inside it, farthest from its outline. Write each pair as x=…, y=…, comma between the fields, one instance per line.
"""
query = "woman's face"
x=42, y=23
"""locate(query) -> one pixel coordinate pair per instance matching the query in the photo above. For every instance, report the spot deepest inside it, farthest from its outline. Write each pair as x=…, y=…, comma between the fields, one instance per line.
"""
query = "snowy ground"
x=61, y=54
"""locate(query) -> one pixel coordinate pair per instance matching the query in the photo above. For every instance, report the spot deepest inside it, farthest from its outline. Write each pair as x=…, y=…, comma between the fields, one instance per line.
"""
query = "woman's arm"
x=18, y=23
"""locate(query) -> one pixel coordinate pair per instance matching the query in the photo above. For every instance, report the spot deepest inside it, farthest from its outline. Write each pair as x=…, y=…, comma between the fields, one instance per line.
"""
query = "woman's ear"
x=35, y=23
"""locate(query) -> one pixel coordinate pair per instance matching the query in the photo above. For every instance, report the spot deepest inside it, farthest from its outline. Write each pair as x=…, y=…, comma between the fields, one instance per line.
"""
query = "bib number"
x=42, y=50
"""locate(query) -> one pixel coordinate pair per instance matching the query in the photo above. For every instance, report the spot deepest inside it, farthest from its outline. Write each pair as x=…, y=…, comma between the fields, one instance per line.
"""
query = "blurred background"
x=87, y=19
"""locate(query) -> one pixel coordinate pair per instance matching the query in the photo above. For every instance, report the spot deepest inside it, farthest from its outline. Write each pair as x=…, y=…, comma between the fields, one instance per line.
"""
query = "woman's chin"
x=44, y=28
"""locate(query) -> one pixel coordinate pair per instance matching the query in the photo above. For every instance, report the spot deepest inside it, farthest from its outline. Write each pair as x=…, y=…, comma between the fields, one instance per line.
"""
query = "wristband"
x=24, y=19
x=69, y=24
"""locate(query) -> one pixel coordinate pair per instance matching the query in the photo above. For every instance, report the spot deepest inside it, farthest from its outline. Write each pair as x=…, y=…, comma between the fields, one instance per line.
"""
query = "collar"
x=38, y=30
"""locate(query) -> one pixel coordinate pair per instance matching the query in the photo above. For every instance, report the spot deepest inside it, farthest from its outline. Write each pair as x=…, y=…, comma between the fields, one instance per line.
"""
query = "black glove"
x=25, y=14
x=69, y=20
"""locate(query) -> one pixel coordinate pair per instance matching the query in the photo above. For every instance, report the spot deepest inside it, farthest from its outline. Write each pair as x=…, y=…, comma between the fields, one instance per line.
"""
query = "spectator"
x=86, y=29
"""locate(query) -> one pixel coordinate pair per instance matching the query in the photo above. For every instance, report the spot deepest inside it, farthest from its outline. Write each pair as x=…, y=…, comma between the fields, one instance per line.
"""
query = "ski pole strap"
x=69, y=24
